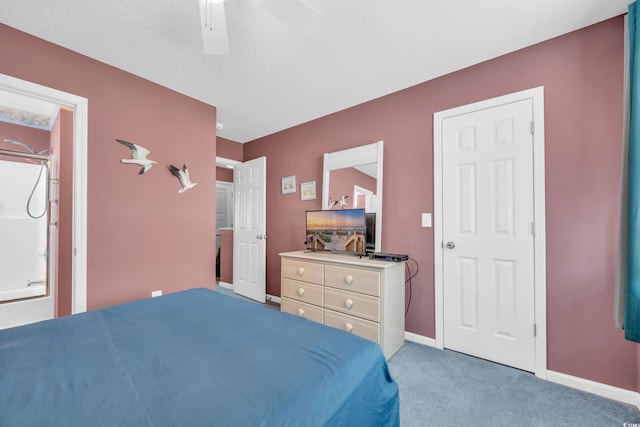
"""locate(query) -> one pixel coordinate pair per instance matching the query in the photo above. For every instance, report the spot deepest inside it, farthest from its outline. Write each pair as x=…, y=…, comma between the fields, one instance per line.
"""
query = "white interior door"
x=249, y=230
x=488, y=234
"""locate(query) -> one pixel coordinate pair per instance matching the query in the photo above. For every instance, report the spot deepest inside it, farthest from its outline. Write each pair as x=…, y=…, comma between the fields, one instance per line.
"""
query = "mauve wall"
x=227, y=149
x=37, y=139
x=142, y=234
x=582, y=75
x=65, y=213
x=342, y=182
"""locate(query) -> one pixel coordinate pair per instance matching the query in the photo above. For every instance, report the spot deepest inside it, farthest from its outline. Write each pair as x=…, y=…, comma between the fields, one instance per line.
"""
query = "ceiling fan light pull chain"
x=208, y=14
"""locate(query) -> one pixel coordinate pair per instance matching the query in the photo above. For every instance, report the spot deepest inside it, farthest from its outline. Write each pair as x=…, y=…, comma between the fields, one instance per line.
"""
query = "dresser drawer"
x=359, y=305
x=303, y=291
x=302, y=309
x=353, y=279
x=306, y=271
x=362, y=328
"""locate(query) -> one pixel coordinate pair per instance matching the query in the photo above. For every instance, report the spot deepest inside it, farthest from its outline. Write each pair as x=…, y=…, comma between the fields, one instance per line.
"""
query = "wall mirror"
x=355, y=173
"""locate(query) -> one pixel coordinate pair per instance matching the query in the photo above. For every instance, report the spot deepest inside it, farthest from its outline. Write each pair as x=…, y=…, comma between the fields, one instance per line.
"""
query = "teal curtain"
x=621, y=265
x=632, y=300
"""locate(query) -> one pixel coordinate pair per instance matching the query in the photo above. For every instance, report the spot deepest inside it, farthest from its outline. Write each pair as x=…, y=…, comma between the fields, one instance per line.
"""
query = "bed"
x=193, y=358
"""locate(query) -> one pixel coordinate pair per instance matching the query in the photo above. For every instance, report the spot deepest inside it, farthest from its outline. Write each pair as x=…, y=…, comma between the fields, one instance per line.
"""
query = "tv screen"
x=341, y=230
x=370, y=218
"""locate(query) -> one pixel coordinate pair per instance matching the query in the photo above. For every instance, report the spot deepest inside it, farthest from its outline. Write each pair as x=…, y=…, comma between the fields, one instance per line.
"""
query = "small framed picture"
x=308, y=190
x=288, y=184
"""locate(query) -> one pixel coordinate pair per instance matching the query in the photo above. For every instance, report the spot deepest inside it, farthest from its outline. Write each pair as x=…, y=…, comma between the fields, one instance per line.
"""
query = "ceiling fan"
x=300, y=17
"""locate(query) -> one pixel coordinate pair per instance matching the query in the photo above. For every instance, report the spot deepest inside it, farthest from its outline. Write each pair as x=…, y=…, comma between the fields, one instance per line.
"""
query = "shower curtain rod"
x=23, y=154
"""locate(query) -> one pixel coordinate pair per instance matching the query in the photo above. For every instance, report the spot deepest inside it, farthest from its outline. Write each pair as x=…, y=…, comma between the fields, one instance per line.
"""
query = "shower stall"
x=27, y=225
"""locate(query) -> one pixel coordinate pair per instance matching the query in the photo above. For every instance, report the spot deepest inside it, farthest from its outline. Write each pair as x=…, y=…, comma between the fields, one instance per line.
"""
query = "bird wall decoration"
x=138, y=156
x=342, y=202
x=183, y=176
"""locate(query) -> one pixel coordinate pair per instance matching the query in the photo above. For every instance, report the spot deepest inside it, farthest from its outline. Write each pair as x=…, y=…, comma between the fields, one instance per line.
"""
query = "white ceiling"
x=275, y=78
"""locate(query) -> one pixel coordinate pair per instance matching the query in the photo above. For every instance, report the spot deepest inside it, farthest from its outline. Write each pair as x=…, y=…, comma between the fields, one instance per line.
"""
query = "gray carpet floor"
x=443, y=388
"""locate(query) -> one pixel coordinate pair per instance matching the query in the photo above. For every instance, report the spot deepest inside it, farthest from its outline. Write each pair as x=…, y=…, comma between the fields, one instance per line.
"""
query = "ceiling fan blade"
x=298, y=16
x=213, y=21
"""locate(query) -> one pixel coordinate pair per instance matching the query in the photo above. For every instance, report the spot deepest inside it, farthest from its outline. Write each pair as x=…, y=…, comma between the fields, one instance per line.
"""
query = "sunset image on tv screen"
x=338, y=230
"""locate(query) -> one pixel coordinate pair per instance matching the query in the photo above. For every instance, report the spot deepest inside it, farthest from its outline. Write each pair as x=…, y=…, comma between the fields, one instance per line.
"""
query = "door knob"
x=261, y=237
x=450, y=245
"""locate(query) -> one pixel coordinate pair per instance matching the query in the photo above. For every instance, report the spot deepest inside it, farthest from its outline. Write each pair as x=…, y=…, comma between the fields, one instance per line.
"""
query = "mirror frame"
x=351, y=157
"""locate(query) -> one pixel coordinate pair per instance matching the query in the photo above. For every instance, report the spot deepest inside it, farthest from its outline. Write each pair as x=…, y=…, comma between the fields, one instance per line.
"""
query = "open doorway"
x=77, y=110
x=224, y=208
x=224, y=215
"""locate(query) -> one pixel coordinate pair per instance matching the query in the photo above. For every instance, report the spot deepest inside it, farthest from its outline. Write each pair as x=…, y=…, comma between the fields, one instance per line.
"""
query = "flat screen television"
x=370, y=218
x=340, y=230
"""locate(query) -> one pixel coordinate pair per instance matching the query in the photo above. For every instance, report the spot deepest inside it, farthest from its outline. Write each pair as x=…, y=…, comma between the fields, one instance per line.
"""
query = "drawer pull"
x=300, y=271
x=349, y=279
x=301, y=291
x=348, y=303
x=348, y=327
x=300, y=312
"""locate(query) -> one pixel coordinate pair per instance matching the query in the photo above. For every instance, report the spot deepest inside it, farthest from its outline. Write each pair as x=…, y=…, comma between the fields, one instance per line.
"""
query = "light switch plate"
x=426, y=220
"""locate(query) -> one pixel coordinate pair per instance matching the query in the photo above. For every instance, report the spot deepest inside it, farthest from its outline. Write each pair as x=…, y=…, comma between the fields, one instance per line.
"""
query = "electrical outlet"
x=156, y=293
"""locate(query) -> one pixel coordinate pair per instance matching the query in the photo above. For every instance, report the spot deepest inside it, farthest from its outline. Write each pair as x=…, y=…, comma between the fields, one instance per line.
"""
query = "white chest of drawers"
x=359, y=295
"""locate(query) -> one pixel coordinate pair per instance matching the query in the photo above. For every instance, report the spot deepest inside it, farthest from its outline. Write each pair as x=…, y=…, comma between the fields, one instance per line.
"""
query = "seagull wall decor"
x=183, y=176
x=138, y=156
x=342, y=202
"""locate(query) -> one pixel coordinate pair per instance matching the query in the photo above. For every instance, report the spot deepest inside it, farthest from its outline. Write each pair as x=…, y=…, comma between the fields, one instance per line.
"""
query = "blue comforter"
x=194, y=358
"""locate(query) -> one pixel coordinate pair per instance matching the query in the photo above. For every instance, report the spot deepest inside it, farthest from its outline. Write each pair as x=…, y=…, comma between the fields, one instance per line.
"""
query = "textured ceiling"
x=275, y=78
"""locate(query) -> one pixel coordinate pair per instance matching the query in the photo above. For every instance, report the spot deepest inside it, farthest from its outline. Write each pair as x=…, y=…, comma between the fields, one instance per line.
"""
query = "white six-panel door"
x=487, y=221
x=249, y=237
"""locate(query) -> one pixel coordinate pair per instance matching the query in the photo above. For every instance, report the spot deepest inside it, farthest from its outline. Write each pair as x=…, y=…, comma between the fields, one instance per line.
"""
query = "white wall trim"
x=271, y=298
x=274, y=298
x=537, y=94
x=604, y=390
x=225, y=285
x=223, y=162
x=80, y=146
x=420, y=339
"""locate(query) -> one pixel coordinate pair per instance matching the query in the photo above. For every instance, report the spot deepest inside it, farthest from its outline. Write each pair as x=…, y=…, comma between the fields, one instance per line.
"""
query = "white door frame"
x=537, y=95
x=80, y=136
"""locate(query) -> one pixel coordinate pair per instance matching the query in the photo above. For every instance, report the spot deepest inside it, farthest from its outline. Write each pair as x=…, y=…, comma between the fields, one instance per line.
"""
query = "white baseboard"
x=273, y=298
x=420, y=339
x=604, y=390
x=225, y=285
